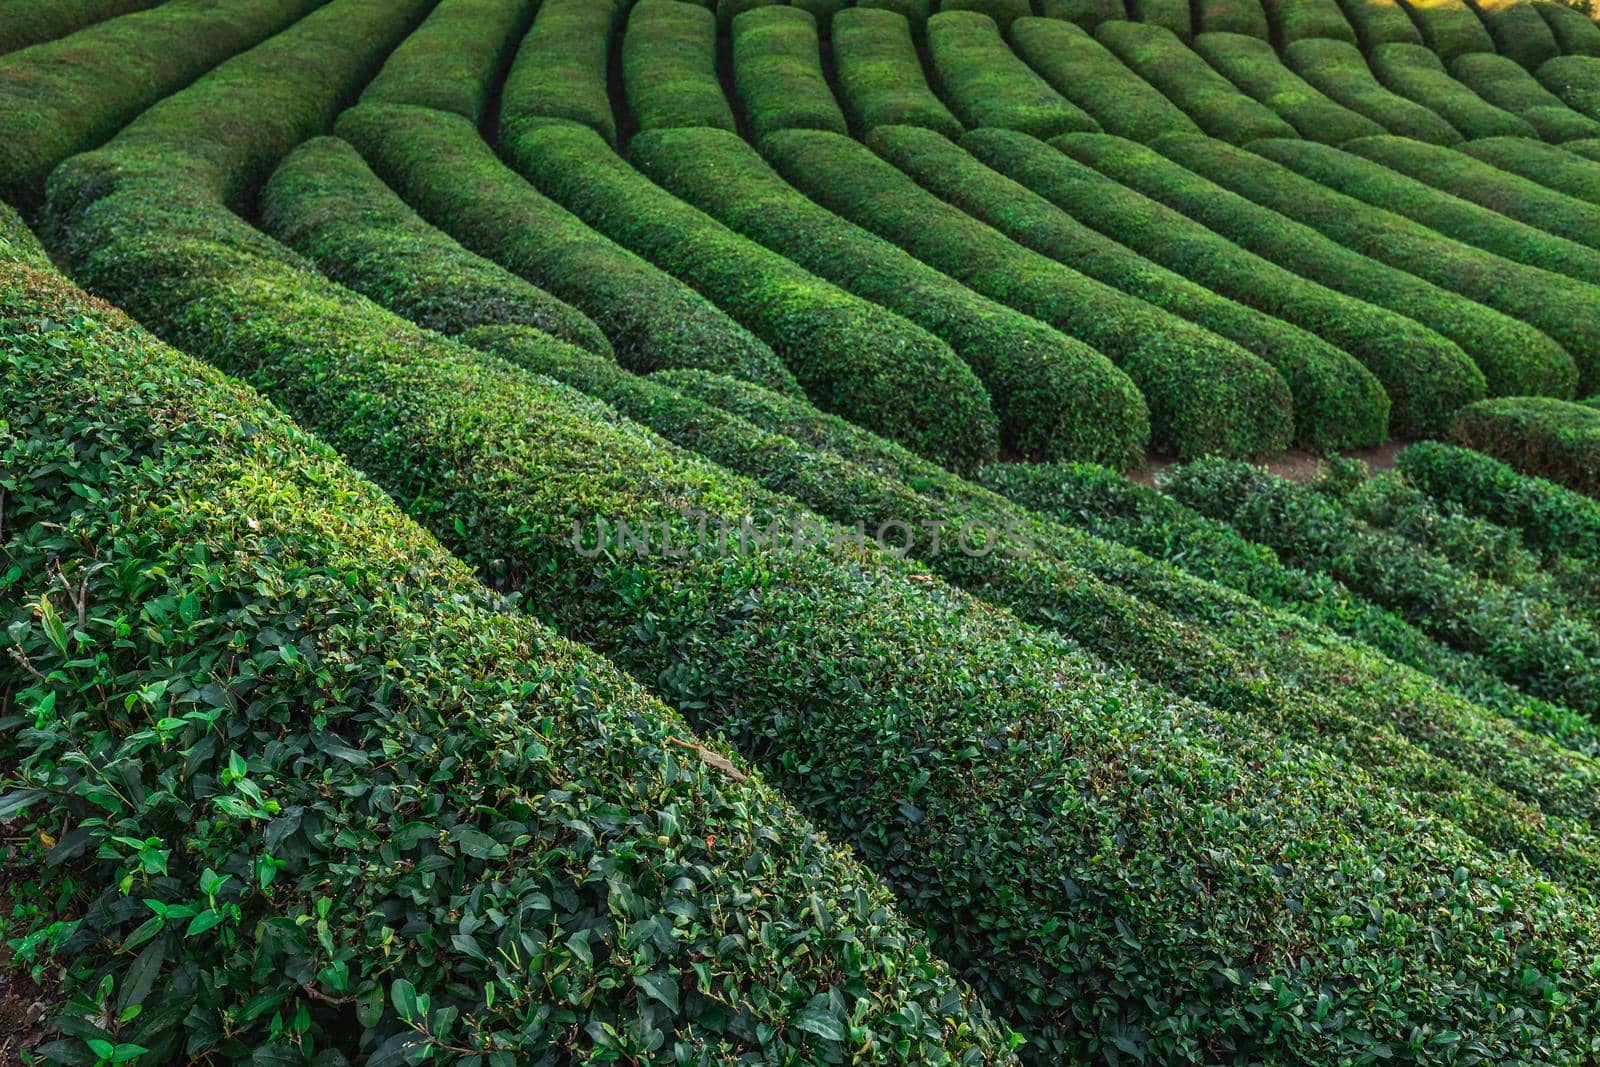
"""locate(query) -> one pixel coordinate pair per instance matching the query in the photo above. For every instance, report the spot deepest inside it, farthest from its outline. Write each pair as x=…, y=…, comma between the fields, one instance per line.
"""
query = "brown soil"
x=1295, y=465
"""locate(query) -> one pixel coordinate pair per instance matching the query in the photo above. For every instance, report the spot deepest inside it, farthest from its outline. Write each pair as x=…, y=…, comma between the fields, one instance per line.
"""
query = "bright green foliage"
x=1233, y=16
x=852, y=357
x=1085, y=13
x=1300, y=20
x=669, y=67
x=1519, y=31
x=881, y=82
x=1505, y=84
x=915, y=11
x=449, y=63
x=1536, y=435
x=1376, y=172
x=1172, y=15
x=560, y=68
x=1575, y=33
x=443, y=169
x=1417, y=74
x=1055, y=396
x=1189, y=82
x=66, y=96
x=1576, y=80
x=1555, y=168
x=1003, y=12
x=777, y=71
x=326, y=204
x=1087, y=73
x=1566, y=310
x=1588, y=148
x=1422, y=373
x=18, y=243
x=1205, y=394
x=1450, y=27
x=1530, y=643
x=29, y=22
x=1380, y=22
x=1337, y=402
x=1253, y=66
x=985, y=84
x=1341, y=72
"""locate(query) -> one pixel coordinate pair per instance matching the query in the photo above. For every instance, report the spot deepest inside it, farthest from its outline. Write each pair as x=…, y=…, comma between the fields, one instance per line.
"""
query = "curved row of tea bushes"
x=442, y=168
x=1550, y=517
x=1554, y=168
x=1567, y=310
x=66, y=96
x=1450, y=28
x=985, y=83
x=1298, y=20
x=1086, y=14
x=1417, y=74
x=1502, y=348
x=1338, y=70
x=1175, y=16
x=1205, y=394
x=324, y=202
x=1233, y=16
x=777, y=72
x=1054, y=396
x=448, y=62
x=1548, y=438
x=377, y=703
x=1505, y=84
x=1253, y=66
x=1425, y=377
x=915, y=12
x=852, y=357
x=1337, y=401
x=1378, y=172
x=1576, y=80
x=1380, y=22
x=560, y=68
x=24, y=23
x=1184, y=78
x=880, y=75
x=1588, y=148
x=669, y=67
x=1552, y=654
x=1002, y=12
x=1087, y=73
x=1518, y=31
x=1575, y=32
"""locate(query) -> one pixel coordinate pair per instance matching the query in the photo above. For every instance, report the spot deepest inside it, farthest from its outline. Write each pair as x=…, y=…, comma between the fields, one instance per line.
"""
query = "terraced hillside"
x=648, y=531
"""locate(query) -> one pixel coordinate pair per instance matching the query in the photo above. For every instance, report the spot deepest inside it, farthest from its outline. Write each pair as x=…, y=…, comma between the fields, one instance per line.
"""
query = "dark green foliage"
x=1547, y=438
x=1341, y=72
x=1376, y=172
x=1189, y=82
x=1588, y=148
x=1450, y=27
x=1337, y=402
x=1054, y=396
x=29, y=22
x=1299, y=20
x=1555, y=168
x=881, y=81
x=443, y=169
x=852, y=357
x=1575, y=33
x=1505, y=84
x=1576, y=80
x=1003, y=12
x=560, y=68
x=1549, y=516
x=777, y=70
x=669, y=67
x=1380, y=22
x=1205, y=394
x=1566, y=310
x=1422, y=373
x=915, y=11
x=1087, y=73
x=66, y=96
x=1417, y=74
x=1551, y=653
x=1086, y=13
x=985, y=84
x=1518, y=30
x=1233, y=16
x=449, y=62
x=1173, y=15
x=326, y=204
x=1253, y=66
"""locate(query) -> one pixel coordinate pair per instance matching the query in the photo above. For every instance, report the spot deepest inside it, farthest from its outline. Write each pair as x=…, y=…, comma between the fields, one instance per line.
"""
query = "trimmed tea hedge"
x=985, y=84
x=1380, y=22
x=1519, y=31
x=1377, y=172
x=1552, y=654
x=1339, y=70
x=1233, y=16
x=324, y=202
x=1086, y=13
x=1566, y=310
x=453, y=58
x=1575, y=33
x=1424, y=376
x=1555, y=168
x=1337, y=402
x=560, y=68
x=777, y=71
x=1504, y=84
x=1173, y=15
x=1205, y=394
x=669, y=67
x=28, y=22
x=1003, y=12
x=1512, y=350
x=1087, y=73
x=1549, y=516
x=66, y=96
x=881, y=80
x=1206, y=96
x=1450, y=27
x=1253, y=66
x=852, y=357
x=1417, y=74
x=1054, y=396
x=1298, y=20
x=1548, y=438
x=1576, y=80
x=916, y=12
x=444, y=170
x=1588, y=148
